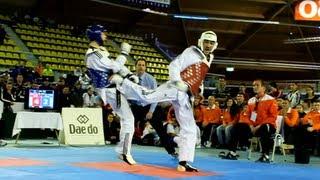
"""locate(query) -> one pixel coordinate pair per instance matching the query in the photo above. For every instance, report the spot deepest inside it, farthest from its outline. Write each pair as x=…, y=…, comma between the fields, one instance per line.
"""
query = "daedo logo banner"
x=83, y=126
x=307, y=10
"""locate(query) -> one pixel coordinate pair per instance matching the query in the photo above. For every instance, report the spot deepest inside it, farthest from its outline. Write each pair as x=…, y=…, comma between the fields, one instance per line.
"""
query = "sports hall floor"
x=44, y=159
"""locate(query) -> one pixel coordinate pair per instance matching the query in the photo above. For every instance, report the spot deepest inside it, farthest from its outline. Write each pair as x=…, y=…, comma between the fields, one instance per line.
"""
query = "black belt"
x=118, y=95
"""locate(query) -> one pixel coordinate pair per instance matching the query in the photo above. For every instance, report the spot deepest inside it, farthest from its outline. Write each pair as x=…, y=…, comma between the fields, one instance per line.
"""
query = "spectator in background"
x=291, y=120
x=76, y=95
x=229, y=118
x=64, y=99
x=211, y=120
x=198, y=110
x=46, y=84
x=171, y=125
x=243, y=90
x=111, y=124
x=222, y=92
x=77, y=72
x=240, y=100
x=308, y=132
x=19, y=88
x=89, y=98
x=60, y=84
x=274, y=91
x=84, y=79
x=8, y=98
x=301, y=112
x=19, y=69
x=240, y=134
x=113, y=129
x=294, y=95
x=310, y=97
x=39, y=69
x=143, y=113
x=149, y=135
x=157, y=122
x=262, y=112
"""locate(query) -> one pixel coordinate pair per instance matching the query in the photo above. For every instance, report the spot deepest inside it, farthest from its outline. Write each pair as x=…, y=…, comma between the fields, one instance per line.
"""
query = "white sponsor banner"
x=83, y=126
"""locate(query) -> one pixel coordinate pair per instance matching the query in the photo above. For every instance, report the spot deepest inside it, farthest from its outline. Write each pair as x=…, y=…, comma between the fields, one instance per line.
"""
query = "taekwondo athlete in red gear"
x=186, y=72
x=101, y=70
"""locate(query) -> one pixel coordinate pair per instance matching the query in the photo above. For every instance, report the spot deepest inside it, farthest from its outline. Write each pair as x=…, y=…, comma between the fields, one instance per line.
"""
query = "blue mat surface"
x=62, y=165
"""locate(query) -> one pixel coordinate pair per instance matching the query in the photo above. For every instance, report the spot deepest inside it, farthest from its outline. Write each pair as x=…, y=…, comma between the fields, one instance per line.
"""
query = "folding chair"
x=278, y=139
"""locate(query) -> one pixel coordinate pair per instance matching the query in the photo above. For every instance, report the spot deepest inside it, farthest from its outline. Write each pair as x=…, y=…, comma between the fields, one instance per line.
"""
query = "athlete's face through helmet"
x=96, y=33
x=208, y=42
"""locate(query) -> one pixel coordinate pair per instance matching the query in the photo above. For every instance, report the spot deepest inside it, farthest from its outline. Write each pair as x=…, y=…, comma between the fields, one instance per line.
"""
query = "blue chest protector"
x=100, y=79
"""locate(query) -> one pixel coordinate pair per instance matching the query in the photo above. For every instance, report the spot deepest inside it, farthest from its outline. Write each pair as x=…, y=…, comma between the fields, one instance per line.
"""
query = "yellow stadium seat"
x=16, y=49
x=3, y=48
x=16, y=56
x=9, y=55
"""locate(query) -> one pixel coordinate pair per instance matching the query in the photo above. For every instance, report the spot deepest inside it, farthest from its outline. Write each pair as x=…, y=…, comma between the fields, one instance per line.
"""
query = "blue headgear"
x=94, y=33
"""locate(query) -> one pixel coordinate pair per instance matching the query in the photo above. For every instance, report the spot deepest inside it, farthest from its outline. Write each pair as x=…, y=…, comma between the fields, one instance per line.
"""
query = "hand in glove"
x=180, y=85
x=133, y=78
x=116, y=79
x=125, y=48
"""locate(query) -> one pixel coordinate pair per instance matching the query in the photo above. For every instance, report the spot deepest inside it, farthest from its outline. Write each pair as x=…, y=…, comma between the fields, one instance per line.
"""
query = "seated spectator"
x=112, y=129
x=222, y=92
x=89, y=98
x=312, y=120
x=198, y=110
x=172, y=125
x=84, y=78
x=241, y=132
x=229, y=116
x=301, y=112
x=294, y=95
x=64, y=99
x=274, y=91
x=46, y=85
x=61, y=84
x=76, y=95
x=211, y=120
x=149, y=135
x=310, y=97
x=243, y=90
x=291, y=120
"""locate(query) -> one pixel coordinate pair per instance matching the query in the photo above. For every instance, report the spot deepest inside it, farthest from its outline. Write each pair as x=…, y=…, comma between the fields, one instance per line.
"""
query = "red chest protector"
x=193, y=75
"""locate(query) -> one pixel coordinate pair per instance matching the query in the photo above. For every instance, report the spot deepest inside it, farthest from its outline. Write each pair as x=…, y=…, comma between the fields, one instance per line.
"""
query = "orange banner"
x=307, y=10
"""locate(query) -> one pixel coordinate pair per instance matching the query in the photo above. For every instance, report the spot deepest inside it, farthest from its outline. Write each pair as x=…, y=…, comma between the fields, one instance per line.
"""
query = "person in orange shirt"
x=312, y=119
x=198, y=110
x=211, y=120
x=229, y=116
x=306, y=132
x=291, y=120
x=262, y=111
x=240, y=134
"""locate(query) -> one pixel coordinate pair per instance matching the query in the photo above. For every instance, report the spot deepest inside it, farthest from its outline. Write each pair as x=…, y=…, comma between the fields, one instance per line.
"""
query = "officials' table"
x=37, y=120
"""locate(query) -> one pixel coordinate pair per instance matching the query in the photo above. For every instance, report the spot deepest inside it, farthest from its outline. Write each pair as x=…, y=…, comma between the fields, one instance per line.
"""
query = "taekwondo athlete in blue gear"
x=102, y=70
